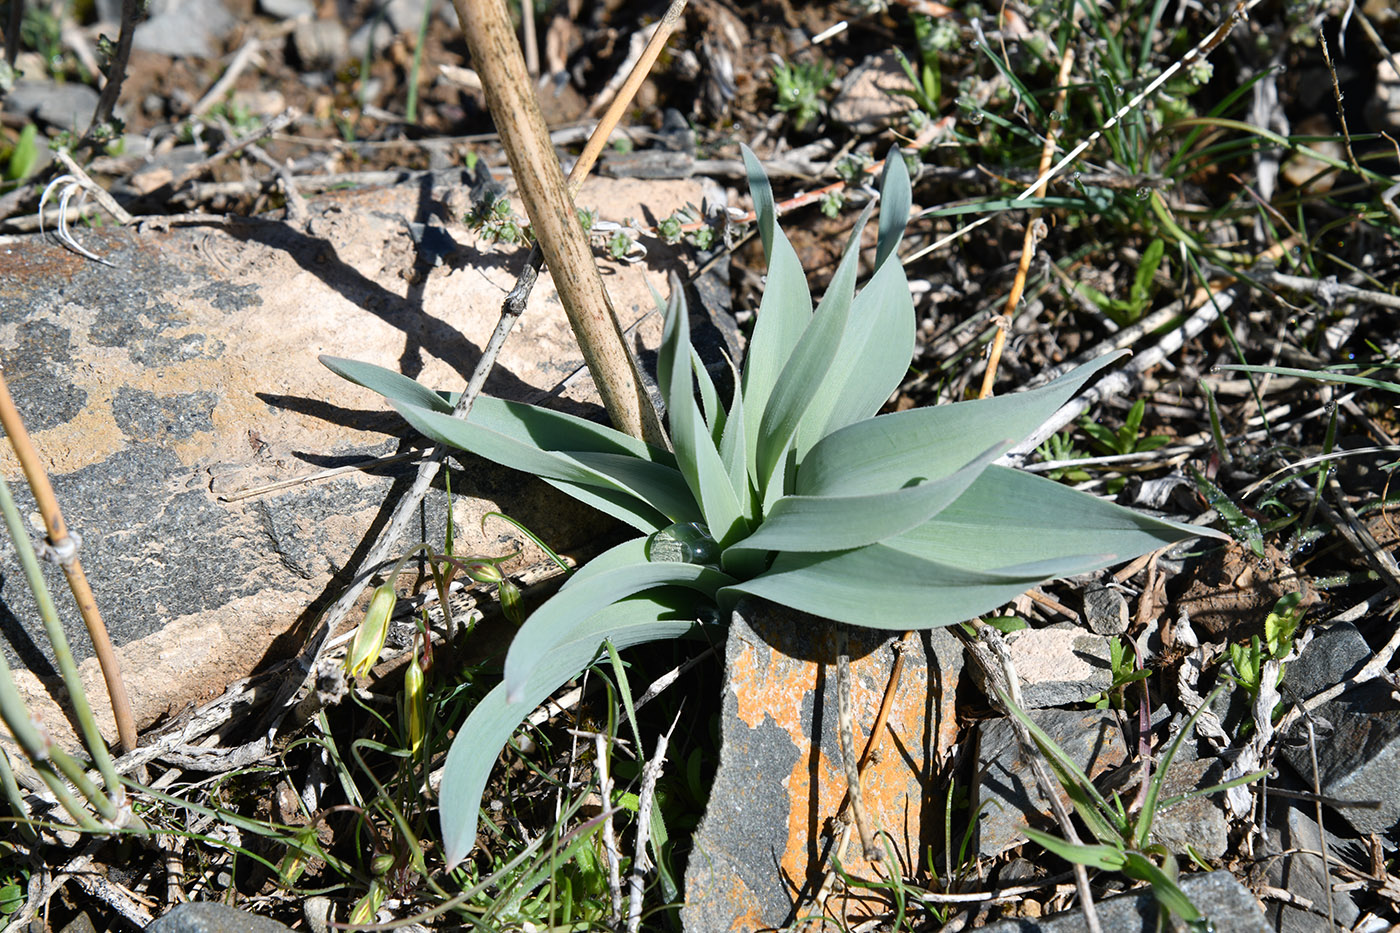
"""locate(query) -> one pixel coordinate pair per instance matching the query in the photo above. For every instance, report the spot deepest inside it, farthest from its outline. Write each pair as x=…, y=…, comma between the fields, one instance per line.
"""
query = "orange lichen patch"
x=787, y=678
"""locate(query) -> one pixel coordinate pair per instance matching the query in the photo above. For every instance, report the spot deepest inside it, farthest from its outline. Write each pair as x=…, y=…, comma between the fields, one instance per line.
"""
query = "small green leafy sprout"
x=794, y=492
x=1060, y=446
x=1125, y=311
x=1125, y=671
x=1280, y=627
x=1124, y=838
x=494, y=220
x=799, y=87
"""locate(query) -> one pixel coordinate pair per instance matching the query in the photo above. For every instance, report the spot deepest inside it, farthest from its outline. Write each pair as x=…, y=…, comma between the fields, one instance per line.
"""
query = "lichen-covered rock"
x=166, y=396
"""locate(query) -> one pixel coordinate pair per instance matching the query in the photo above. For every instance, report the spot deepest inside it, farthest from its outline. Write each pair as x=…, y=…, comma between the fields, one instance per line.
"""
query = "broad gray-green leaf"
x=783, y=315
x=797, y=397
x=505, y=449
x=872, y=360
x=696, y=454
x=884, y=453
x=709, y=395
x=832, y=523
x=586, y=594
x=386, y=382
x=881, y=587
x=661, y=486
x=659, y=614
x=622, y=506
x=1009, y=517
x=895, y=198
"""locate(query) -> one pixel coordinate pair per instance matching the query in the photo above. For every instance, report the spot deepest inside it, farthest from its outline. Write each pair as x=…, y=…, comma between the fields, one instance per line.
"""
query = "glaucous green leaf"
x=831, y=523
x=622, y=506
x=658, y=614
x=783, y=314
x=391, y=385
x=696, y=454
x=1009, y=517
x=797, y=397
x=896, y=196
x=624, y=573
x=881, y=587
x=509, y=450
x=885, y=452
x=662, y=487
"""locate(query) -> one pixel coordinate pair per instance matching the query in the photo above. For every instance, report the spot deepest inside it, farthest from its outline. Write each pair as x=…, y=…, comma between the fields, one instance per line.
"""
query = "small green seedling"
x=1125, y=671
x=1128, y=439
x=1060, y=446
x=1125, y=311
x=24, y=155
x=1280, y=628
x=796, y=492
x=799, y=86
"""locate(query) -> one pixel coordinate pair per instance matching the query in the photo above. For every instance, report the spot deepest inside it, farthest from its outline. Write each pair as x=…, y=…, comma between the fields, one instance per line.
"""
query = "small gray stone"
x=1106, y=610
x=1358, y=760
x=67, y=106
x=184, y=27
x=210, y=917
x=372, y=38
x=1007, y=785
x=869, y=99
x=321, y=44
x=288, y=9
x=1198, y=822
x=1227, y=903
x=1334, y=655
x=1300, y=872
x=1060, y=664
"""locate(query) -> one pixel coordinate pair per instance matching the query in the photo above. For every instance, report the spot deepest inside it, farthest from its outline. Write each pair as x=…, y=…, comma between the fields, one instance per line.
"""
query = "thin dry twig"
x=1035, y=229
x=107, y=102
x=651, y=773
x=845, y=730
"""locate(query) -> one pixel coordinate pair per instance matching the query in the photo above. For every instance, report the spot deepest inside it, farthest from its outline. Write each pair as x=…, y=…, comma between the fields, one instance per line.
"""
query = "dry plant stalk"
x=66, y=550
x=1033, y=226
x=510, y=97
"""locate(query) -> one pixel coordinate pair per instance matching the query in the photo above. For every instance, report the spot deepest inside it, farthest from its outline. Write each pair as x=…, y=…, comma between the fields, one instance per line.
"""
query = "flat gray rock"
x=1299, y=871
x=1226, y=902
x=210, y=917
x=1358, y=759
x=1006, y=788
x=1060, y=665
x=68, y=105
x=170, y=395
x=1197, y=822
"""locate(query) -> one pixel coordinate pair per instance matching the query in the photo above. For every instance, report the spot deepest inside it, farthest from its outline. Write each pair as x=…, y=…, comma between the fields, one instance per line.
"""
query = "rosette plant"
x=795, y=492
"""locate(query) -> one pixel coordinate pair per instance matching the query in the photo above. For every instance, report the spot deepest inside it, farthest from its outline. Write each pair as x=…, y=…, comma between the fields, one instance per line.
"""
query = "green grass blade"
x=1317, y=376
x=1102, y=857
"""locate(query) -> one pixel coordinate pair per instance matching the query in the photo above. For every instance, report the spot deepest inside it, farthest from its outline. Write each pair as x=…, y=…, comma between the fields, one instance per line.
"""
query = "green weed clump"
x=795, y=492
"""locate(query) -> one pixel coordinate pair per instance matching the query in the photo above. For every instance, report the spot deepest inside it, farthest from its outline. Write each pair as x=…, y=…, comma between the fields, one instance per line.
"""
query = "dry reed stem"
x=67, y=550
x=511, y=100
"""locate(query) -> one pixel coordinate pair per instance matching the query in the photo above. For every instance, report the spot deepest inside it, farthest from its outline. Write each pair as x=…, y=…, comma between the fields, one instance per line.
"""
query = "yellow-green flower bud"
x=369, y=640
x=415, y=703
x=511, y=603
